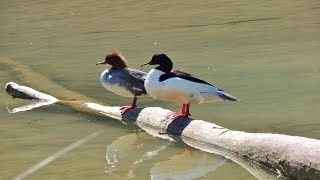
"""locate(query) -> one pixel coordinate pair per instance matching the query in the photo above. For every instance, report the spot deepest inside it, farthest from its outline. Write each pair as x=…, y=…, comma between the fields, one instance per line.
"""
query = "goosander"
x=180, y=87
x=122, y=80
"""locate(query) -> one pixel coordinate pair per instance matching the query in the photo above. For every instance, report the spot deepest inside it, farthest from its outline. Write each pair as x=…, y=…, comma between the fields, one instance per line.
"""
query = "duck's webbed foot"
x=125, y=109
x=177, y=115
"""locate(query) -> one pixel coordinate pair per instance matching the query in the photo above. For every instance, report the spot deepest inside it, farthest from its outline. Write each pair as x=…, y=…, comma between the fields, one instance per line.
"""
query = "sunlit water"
x=266, y=53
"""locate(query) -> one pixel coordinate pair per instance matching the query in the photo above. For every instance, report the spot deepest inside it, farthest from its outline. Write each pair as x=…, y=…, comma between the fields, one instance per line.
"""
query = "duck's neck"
x=154, y=75
x=116, y=68
x=166, y=67
x=119, y=63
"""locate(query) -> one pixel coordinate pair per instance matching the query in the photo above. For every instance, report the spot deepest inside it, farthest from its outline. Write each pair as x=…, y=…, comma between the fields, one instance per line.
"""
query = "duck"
x=180, y=87
x=122, y=80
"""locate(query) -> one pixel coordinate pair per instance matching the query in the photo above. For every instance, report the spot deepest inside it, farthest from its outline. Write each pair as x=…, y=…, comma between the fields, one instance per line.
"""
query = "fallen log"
x=292, y=157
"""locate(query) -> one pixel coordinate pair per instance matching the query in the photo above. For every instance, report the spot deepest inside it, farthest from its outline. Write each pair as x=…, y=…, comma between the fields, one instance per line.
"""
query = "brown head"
x=116, y=60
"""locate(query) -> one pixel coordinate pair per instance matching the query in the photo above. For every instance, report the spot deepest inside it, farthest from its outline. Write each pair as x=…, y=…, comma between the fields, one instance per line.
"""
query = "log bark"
x=292, y=157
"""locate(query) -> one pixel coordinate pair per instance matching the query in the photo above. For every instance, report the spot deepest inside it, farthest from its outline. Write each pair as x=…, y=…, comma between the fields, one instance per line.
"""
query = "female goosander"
x=122, y=80
x=180, y=87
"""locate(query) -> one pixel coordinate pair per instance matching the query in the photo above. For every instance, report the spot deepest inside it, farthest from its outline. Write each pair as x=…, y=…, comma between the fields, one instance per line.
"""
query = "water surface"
x=266, y=53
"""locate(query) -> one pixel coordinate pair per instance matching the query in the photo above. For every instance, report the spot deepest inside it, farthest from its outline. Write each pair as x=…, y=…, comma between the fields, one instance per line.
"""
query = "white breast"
x=118, y=90
x=173, y=89
x=108, y=82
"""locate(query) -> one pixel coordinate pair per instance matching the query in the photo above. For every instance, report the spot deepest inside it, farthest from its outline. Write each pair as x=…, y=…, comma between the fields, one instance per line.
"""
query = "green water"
x=266, y=53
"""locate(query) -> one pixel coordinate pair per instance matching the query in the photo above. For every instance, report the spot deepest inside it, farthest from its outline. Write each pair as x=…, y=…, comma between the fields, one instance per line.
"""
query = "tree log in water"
x=292, y=156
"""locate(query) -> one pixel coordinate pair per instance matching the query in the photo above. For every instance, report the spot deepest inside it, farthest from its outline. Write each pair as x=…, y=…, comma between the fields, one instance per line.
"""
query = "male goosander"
x=122, y=80
x=180, y=87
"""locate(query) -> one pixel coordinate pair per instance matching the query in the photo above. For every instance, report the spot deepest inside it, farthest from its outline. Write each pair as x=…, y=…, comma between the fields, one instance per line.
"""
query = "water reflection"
x=259, y=171
x=188, y=165
x=30, y=106
x=125, y=154
x=193, y=164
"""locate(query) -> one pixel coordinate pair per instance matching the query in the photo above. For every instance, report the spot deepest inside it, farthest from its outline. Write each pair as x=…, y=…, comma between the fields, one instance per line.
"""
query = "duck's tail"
x=227, y=97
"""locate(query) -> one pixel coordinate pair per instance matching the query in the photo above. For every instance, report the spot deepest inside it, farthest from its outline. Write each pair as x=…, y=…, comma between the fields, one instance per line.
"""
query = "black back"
x=182, y=75
x=165, y=65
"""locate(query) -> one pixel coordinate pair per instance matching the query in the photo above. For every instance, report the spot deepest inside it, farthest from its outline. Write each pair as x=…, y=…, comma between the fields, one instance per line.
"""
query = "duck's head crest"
x=116, y=60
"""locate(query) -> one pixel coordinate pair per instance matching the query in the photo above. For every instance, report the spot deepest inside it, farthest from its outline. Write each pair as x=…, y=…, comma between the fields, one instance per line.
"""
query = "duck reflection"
x=128, y=154
x=188, y=164
x=125, y=153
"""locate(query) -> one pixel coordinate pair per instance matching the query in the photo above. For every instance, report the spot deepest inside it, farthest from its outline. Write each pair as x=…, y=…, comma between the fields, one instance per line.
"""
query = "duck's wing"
x=136, y=81
x=138, y=74
x=208, y=92
x=205, y=88
x=183, y=75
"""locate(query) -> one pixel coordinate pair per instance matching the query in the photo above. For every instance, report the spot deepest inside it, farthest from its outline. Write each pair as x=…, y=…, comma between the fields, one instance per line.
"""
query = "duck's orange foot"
x=177, y=115
x=125, y=109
